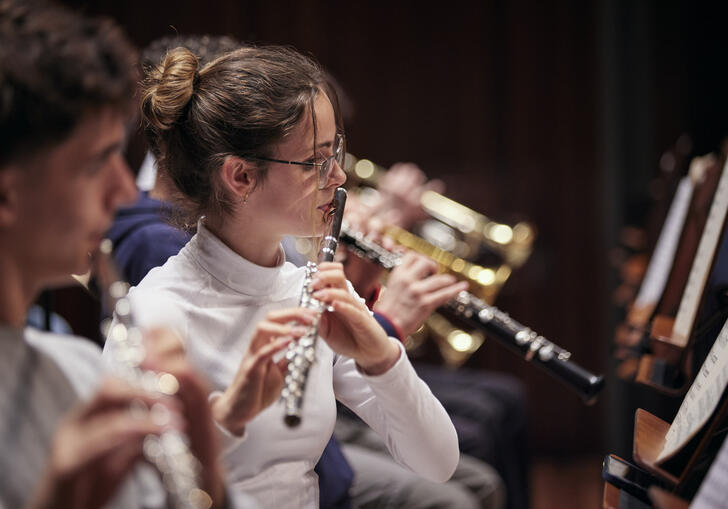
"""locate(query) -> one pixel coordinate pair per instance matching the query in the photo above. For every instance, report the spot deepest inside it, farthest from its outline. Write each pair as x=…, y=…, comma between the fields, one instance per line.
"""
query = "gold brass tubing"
x=513, y=243
x=485, y=282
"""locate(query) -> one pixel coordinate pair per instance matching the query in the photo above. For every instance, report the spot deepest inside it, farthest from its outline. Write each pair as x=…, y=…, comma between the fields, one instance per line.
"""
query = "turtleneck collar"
x=234, y=271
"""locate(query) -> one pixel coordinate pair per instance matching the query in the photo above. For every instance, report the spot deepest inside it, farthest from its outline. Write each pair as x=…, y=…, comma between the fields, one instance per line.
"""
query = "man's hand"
x=414, y=291
x=95, y=448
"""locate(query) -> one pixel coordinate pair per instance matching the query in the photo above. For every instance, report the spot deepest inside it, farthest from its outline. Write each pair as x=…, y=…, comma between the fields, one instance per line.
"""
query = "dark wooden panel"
x=505, y=101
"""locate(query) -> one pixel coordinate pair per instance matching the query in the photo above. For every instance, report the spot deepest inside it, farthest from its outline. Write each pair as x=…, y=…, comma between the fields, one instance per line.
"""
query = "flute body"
x=168, y=452
x=496, y=324
x=302, y=354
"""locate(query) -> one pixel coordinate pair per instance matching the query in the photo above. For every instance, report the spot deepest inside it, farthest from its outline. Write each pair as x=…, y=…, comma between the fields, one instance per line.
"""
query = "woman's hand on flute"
x=350, y=329
x=259, y=379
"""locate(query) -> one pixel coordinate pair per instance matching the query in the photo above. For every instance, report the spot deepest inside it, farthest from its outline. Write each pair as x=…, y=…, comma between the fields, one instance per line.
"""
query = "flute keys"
x=168, y=384
x=152, y=448
x=199, y=499
x=310, y=355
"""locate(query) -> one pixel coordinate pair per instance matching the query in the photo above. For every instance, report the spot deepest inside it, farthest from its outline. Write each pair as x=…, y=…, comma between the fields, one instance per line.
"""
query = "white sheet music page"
x=701, y=265
x=712, y=492
x=702, y=399
x=661, y=262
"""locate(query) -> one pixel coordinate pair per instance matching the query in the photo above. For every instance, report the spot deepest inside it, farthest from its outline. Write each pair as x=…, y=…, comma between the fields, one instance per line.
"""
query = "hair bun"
x=169, y=87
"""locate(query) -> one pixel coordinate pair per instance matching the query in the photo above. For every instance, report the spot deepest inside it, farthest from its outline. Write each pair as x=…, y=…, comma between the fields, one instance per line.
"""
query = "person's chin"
x=82, y=264
x=321, y=228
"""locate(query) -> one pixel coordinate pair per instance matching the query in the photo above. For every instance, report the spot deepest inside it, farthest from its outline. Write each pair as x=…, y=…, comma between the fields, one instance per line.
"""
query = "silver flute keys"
x=301, y=354
x=168, y=452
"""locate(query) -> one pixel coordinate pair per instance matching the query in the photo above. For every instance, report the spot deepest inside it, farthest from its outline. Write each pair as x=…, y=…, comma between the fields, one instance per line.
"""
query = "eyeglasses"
x=325, y=167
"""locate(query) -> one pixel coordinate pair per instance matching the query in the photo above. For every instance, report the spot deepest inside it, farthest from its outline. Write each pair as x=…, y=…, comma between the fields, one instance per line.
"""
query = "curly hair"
x=55, y=67
x=205, y=47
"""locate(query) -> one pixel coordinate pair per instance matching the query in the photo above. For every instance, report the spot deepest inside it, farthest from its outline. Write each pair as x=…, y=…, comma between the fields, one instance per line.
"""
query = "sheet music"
x=661, y=262
x=712, y=492
x=702, y=399
x=703, y=260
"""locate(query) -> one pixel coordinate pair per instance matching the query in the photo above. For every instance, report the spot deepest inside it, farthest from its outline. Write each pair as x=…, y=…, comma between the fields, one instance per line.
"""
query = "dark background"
x=553, y=112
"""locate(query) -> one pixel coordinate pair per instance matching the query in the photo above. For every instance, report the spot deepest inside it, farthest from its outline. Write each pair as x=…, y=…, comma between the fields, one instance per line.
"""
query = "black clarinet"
x=496, y=324
x=302, y=353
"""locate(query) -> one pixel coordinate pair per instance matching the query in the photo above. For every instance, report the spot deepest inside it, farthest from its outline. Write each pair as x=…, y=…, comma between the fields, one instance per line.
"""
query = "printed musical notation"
x=664, y=254
x=703, y=260
x=702, y=399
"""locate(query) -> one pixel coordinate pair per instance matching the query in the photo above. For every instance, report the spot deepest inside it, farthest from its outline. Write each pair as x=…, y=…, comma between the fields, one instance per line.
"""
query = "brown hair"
x=240, y=104
x=55, y=67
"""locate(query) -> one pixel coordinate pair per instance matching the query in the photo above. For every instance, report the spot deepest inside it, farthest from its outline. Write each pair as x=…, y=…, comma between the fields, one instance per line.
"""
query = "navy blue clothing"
x=143, y=239
x=335, y=477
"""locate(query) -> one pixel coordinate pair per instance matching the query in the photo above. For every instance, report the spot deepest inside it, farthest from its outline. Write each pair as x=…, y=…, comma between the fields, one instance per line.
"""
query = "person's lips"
x=326, y=207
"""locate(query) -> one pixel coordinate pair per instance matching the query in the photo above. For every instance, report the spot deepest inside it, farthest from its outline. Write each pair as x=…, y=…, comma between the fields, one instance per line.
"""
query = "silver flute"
x=495, y=323
x=301, y=354
x=169, y=452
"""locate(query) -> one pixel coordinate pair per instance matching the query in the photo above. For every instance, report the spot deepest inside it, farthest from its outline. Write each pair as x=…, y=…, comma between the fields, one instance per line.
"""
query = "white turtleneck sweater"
x=215, y=298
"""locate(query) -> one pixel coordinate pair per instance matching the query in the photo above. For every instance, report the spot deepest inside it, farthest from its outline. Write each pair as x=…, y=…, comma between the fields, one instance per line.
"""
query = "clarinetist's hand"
x=401, y=188
x=94, y=449
x=414, y=291
x=363, y=274
x=259, y=379
x=350, y=329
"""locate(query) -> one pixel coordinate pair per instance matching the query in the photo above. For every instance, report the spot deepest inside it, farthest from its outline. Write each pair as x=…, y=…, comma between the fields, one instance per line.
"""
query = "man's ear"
x=8, y=195
x=238, y=176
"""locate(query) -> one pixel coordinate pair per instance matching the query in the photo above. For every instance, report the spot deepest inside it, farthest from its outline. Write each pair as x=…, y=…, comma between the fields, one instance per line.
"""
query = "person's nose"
x=122, y=187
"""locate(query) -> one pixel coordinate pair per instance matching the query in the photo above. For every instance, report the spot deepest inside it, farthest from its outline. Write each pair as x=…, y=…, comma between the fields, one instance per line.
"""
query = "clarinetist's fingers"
x=439, y=295
x=440, y=292
x=420, y=266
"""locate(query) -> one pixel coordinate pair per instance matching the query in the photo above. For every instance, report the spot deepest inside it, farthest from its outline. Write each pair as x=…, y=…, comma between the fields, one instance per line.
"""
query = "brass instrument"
x=469, y=230
x=455, y=238
x=486, y=282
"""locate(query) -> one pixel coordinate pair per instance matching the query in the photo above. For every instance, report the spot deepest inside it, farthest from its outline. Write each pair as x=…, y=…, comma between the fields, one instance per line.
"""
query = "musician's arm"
x=400, y=408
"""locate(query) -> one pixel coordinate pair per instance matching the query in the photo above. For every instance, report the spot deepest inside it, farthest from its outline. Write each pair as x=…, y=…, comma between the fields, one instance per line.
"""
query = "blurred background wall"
x=554, y=112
